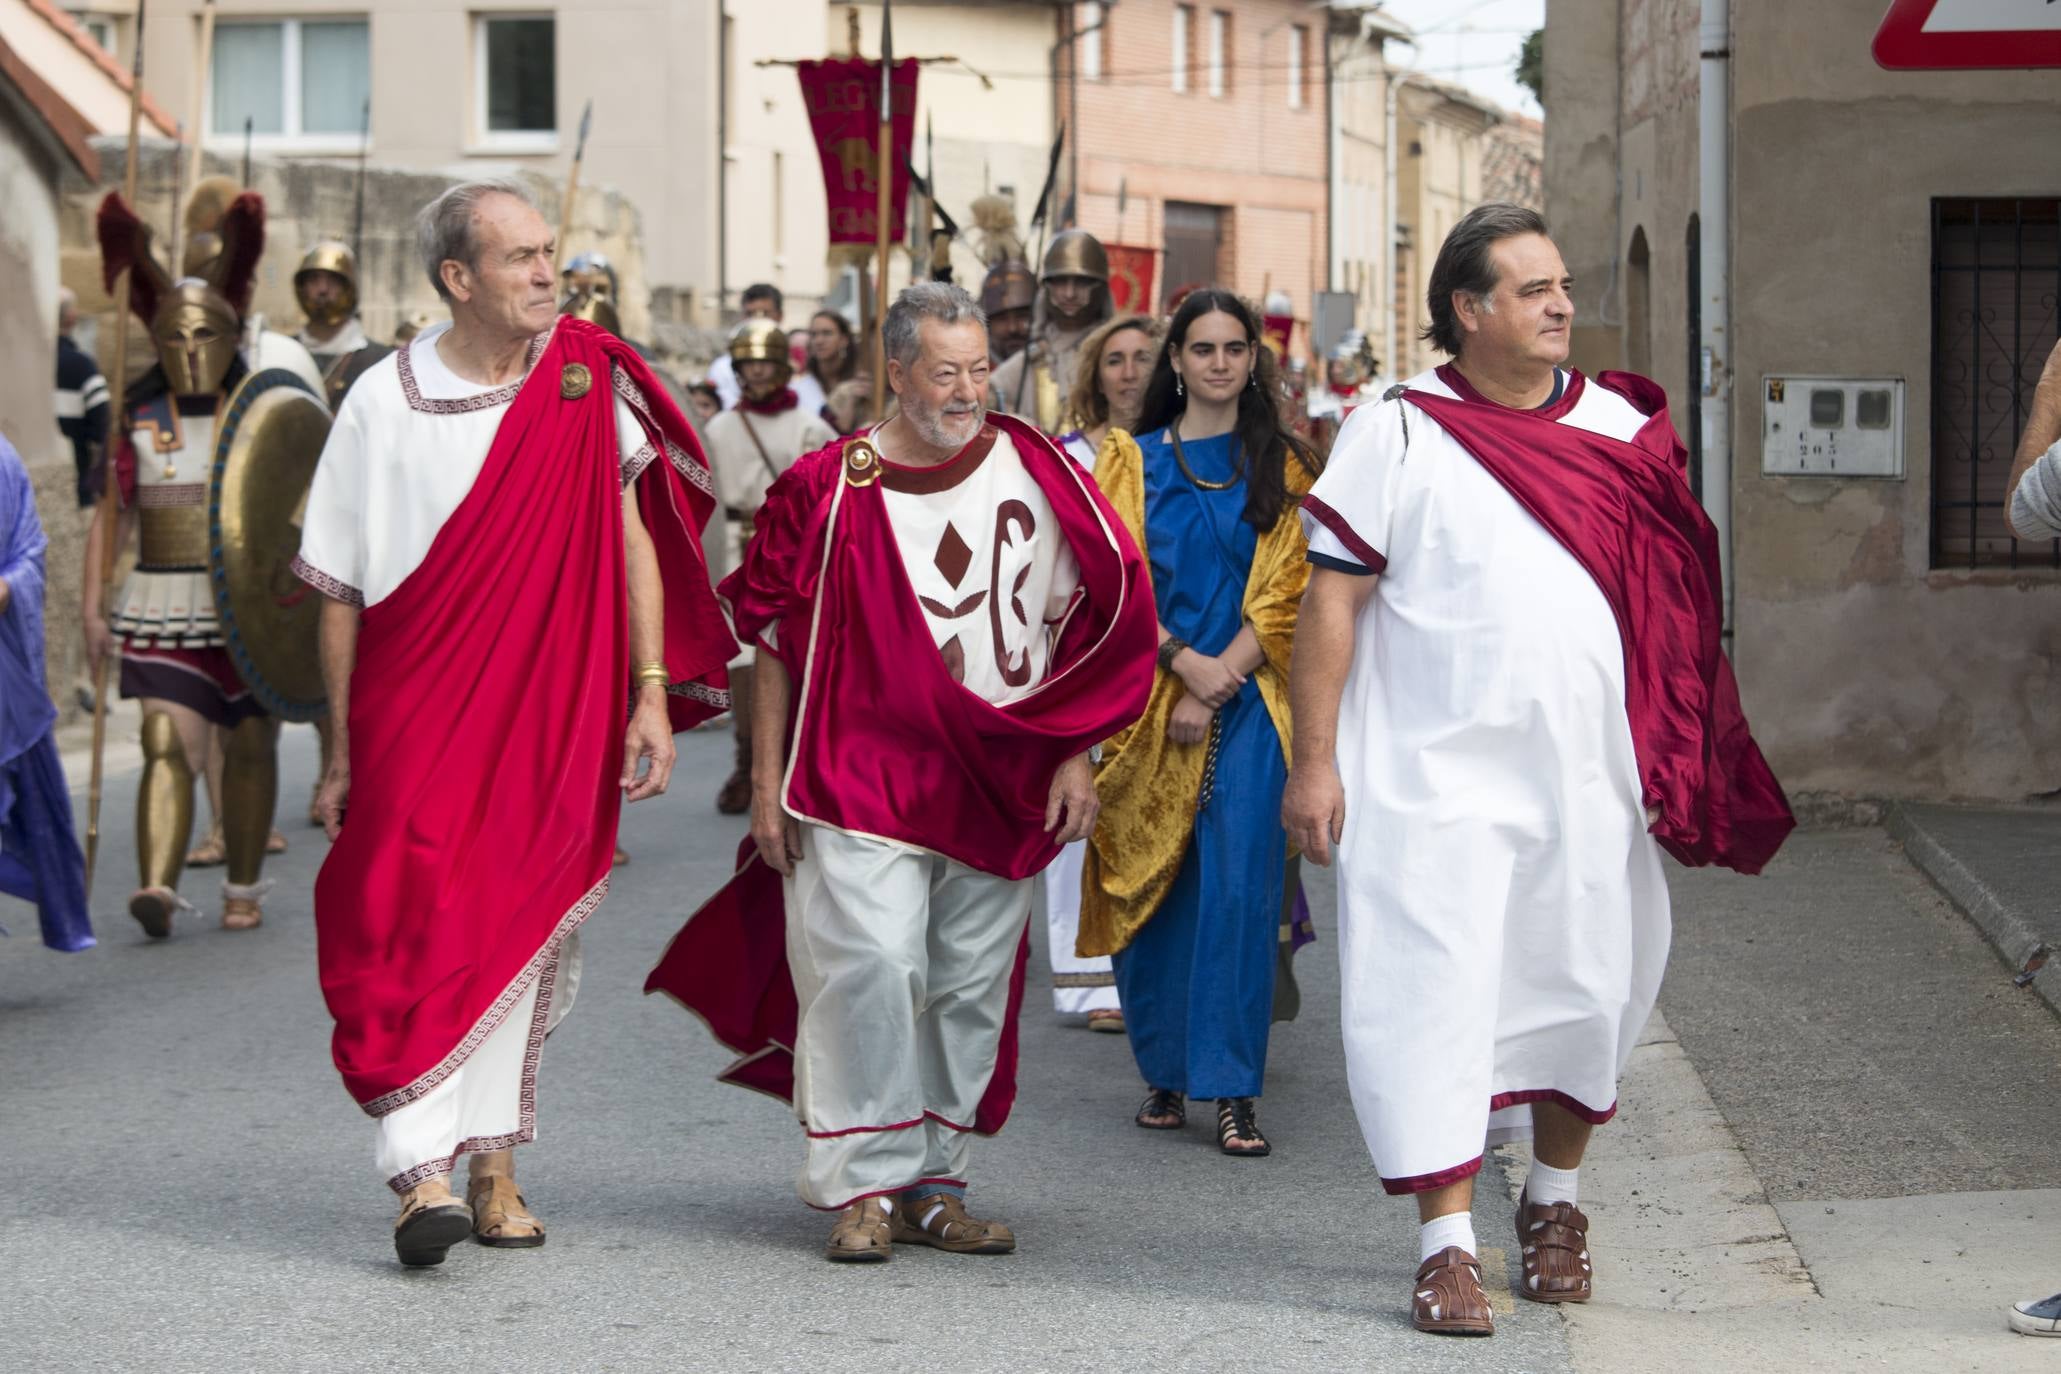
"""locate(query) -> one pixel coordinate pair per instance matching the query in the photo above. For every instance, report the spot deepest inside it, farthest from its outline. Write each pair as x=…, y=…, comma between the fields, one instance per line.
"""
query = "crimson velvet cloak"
x=1625, y=511
x=487, y=713
x=886, y=744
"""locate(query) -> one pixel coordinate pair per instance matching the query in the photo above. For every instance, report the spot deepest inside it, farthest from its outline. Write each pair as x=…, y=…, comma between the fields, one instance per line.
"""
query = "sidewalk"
x=2002, y=868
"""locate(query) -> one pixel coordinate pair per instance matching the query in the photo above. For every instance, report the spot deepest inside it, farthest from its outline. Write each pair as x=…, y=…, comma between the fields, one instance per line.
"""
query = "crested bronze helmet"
x=334, y=258
x=197, y=334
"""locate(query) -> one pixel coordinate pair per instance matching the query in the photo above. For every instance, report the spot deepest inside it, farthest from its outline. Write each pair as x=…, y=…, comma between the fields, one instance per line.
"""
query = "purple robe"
x=40, y=860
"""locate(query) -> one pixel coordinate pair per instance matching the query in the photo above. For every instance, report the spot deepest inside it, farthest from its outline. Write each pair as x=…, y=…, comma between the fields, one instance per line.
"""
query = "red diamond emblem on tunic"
x=953, y=557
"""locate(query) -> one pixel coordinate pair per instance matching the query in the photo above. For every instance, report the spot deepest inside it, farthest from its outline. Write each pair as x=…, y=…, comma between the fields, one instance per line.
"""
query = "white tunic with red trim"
x=1503, y=913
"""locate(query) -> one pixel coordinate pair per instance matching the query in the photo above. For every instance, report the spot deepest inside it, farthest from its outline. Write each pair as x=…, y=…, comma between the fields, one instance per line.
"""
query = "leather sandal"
x=1109, y=1019
x=1448, y=1300
x=940, y=1221
x=862, y=1234
x=153, y=908
x=495, y=1205
x=1554, y=1240
x=1238, y=1119
x=209, y=853
x=427, y=1231
x=1163, y=1102
x=241, y=913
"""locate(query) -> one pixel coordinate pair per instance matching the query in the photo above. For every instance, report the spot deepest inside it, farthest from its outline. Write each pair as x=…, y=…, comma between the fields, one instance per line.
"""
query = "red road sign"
x=1964, y=34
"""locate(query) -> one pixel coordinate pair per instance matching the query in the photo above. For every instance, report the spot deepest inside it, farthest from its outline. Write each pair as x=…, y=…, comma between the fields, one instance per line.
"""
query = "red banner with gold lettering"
x=843, y=100
x=1130, y=277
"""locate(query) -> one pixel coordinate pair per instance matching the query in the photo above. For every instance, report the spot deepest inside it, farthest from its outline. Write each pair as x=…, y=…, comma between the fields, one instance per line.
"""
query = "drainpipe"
x=1334, y=170
x=723, y=57
x=1391, y=356
x=1714, y=147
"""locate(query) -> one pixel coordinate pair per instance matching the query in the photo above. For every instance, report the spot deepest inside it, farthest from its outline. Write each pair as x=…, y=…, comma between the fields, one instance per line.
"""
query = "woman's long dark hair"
x=849, y=368
x=1264, y=441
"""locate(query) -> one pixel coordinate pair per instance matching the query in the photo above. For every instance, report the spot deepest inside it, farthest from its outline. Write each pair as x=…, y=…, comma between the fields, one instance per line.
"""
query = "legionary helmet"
x=336, y=259
x=1075, y=253
x=758, y=340
x=594, y=304
x=1009, y=286
x=590, y=271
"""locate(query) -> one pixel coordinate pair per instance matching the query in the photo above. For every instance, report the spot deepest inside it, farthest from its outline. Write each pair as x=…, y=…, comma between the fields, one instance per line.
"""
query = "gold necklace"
x=1173, y=432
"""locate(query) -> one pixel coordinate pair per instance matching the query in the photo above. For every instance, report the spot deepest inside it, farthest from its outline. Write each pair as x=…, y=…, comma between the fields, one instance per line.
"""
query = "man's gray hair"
x=1465, y=265
x=445, y=230
x=940, y=301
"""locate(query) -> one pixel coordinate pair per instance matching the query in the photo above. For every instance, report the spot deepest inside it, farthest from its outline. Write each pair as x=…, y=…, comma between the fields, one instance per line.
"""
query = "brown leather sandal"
x=497, y=1205
x=862, y=1234
x=940, y=1221
x=241, y=913
x=426, y=1231
x=1448, y=1300
x=1554, y=1240
x=153, y=908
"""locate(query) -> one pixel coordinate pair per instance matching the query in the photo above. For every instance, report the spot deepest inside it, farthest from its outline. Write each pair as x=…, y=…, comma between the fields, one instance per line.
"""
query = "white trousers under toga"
x=1079, y=985
x=901, y=965
x=489, y=1102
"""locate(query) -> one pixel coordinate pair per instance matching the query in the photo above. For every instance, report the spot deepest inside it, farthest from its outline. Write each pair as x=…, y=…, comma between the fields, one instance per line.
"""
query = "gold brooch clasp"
x=861, y=462
x=575, y=381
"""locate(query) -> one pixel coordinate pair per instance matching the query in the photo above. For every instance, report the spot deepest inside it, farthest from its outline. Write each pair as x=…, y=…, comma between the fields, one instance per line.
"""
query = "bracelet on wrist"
x=1170, y=649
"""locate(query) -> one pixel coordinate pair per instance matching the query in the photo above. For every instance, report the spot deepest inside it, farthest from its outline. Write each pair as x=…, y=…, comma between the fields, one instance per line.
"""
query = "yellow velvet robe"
x=1148, y=784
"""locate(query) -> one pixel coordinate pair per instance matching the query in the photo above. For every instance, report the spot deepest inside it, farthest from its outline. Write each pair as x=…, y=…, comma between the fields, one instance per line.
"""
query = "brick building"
x=1209, y=119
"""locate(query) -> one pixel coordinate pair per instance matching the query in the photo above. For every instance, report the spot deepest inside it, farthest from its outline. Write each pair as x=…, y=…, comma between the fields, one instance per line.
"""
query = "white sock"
x=1454, y=1228
x=889, y=1204
x=1547, y=1184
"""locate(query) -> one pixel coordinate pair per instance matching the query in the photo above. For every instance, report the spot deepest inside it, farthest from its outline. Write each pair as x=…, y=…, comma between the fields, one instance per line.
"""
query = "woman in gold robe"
x=1184, y=874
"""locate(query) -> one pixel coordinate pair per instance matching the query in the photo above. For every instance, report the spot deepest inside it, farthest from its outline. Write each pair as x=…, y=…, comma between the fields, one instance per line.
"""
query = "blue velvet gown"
x=1197, y=983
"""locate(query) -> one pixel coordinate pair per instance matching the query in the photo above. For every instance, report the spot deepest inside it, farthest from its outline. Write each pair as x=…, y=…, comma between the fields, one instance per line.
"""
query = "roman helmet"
x=1009, y=286
x=1075, y=253
x=593, y=304
x=336, y=259
x=196, y=322
x=757, y=340
x=409, y=327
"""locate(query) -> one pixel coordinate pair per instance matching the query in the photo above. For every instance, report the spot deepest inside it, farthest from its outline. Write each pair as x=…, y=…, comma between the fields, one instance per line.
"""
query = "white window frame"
x=291, y=141
x=489, y=143
x=1087, y=26
x=1219, y=24
x=1182, y=38
x=1297, y=56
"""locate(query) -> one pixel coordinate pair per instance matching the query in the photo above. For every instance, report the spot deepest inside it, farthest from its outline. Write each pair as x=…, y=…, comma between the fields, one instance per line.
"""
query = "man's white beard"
x=941, y=428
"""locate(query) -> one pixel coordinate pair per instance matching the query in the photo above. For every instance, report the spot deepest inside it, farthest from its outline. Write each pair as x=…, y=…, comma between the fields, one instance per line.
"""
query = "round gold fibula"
x=861, y=462
x=575, y=381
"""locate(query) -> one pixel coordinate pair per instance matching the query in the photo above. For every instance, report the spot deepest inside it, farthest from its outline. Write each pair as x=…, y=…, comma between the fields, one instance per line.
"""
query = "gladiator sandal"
x=1554, y=1239
x=862, y=1234
x=1238, y=1119
x=1448, y=1300
x=940, y=1221
x=240, y=909
x=497, y=1208
x=1160, y=1104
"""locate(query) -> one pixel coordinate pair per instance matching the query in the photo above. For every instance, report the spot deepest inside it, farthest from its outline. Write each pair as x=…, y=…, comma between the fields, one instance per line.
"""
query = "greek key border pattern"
x=491, y=1020
x=683, y=462
x=500, y=395
x=325, y=584
x=526, y=1103
x=701, y=691
x=634, y=465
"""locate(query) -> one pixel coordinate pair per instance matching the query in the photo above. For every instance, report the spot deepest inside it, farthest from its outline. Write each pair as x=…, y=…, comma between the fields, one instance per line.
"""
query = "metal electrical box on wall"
x=1832, y=427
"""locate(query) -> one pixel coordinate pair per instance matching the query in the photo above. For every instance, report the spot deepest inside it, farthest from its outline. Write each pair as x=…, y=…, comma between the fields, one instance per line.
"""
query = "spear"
x=117, y=385
x=884, y=174
x=246, y=155
x=572, y=182
x=203, y=58
x=178, y=188
x=1045, y=196
x=358, y=215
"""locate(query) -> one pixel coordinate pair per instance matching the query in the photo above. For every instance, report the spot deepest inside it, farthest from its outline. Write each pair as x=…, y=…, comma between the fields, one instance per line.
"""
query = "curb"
x=2016, y=942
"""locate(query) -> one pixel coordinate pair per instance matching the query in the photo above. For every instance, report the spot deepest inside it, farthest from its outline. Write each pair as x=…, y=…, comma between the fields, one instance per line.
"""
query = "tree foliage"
x=1531, y=66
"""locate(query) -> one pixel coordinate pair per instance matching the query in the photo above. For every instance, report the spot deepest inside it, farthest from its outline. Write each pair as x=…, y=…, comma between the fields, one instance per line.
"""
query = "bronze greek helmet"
x=196, y=333
x=592, y=303
x=757, y=340
x=1009, y=286
x=1075, y=253
x=334, y=258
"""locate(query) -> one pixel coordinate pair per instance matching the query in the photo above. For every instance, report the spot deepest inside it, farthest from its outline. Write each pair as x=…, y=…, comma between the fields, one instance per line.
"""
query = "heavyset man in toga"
x=1509, y=698
x=502, y=524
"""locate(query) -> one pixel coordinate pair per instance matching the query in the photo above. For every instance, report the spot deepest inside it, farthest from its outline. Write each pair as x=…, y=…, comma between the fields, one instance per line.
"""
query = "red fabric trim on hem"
x=1425, y=1183
x=861, y=1130
x=883, y=1192
x=1370, y=558
x=948, y=1125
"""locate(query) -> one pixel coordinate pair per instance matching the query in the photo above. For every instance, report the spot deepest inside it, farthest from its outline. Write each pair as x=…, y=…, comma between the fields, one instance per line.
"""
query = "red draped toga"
x=487, y=713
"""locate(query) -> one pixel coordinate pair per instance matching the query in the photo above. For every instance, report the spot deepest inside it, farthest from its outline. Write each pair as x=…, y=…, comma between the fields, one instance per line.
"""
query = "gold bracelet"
x=651, y=674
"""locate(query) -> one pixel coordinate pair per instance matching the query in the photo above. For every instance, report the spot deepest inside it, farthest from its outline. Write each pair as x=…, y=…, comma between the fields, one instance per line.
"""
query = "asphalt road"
x=1835, y=1151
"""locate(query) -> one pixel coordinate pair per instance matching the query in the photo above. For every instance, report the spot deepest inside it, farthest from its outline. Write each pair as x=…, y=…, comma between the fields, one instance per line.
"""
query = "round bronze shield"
x=272, y=434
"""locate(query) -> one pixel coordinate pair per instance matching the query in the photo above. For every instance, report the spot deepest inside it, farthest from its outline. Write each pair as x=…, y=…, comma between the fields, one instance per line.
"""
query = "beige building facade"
x=1890, y=232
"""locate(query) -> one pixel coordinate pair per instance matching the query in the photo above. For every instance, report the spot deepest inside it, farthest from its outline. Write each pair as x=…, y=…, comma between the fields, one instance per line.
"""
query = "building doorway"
x=1194, y=244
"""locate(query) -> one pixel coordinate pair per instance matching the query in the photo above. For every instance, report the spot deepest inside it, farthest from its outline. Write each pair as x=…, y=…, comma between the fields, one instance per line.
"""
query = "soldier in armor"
x=748, y=446
x=175, y=657
x=1006, y=297
x=205, y=237
x=326, y=284
x=1073, y=299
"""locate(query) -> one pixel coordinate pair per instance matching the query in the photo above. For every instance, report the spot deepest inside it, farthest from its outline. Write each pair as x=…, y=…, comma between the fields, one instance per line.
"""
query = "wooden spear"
x=572, y=185
x=203, y=59
x=117, y=387
x=884, y=174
